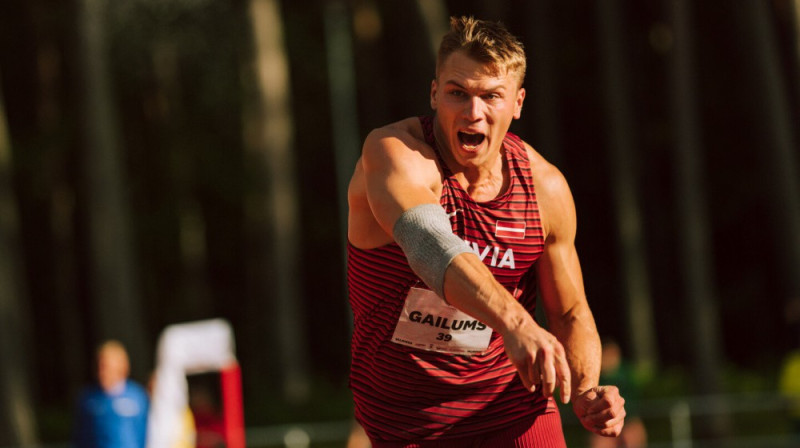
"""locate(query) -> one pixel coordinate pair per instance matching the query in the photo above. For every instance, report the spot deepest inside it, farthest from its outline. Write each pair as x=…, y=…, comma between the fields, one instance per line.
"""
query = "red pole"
x=233, y=406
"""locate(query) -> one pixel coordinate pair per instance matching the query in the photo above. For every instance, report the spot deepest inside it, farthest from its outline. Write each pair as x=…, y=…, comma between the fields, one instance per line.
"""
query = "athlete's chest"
x=506, y=234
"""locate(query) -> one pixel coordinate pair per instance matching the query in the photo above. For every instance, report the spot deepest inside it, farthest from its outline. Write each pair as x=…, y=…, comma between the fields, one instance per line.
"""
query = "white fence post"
x=680, y=419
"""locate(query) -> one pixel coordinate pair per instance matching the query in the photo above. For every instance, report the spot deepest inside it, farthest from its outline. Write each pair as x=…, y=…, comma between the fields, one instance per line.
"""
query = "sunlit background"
x=166, y=161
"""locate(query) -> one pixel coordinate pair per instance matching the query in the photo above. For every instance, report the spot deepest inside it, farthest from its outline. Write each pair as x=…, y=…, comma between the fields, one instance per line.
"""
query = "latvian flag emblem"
x=510, y=229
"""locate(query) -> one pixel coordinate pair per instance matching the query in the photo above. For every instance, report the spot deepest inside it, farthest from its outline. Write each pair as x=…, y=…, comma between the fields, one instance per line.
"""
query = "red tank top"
x=404, y=393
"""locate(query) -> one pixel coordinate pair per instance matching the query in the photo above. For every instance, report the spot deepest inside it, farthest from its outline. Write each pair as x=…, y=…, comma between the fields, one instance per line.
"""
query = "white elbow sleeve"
x=428, y=241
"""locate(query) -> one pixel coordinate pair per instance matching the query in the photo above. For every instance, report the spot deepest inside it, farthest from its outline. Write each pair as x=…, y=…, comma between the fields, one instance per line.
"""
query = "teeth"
x=476, y=138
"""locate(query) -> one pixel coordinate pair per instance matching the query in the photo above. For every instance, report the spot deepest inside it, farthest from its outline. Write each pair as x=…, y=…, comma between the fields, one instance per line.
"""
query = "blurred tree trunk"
x=692, y=215
x=434, y=14
x=116, y=298
x=626, y=203
x=410, y=62
x=496, y=10
x=344, y=112
x=33, y=68
x=194, y=298
x=274, y=205
x=542, y=111
x=795, y=24
x=368, y=32
x=67, y=321
x=17, y=425
x=773, y=118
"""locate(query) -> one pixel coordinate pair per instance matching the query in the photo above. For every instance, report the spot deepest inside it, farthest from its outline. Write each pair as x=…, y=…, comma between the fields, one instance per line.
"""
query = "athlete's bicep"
x=397, y=177
x=561, y=283
x=559, y=270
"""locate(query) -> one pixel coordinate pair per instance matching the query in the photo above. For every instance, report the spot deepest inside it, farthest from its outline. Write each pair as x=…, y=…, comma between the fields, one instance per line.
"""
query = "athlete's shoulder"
x=405, y=133
x=553, y=194
x=399, y=145
x=516, y=141
x=410, y=125
x=548, y=177
x=383, y=148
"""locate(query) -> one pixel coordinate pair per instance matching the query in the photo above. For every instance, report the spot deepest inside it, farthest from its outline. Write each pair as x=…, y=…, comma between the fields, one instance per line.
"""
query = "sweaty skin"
x=397, y=171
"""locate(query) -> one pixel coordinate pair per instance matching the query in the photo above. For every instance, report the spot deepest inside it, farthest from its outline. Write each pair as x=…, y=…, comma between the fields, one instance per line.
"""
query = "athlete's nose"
x=474, y=108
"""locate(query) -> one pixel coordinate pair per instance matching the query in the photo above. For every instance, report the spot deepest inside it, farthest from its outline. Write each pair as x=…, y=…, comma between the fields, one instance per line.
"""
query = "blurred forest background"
x=164, y=161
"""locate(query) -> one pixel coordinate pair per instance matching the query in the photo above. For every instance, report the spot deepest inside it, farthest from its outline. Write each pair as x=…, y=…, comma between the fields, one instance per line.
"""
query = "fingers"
x=605, y=418
x=529, y=374
x=540, y=360
x=548, y=369
x=548, y=373
x=555, y=372
x=564, y=376
x=606, y=424
x=536, y=374
x=608, y=397
x=604, y=412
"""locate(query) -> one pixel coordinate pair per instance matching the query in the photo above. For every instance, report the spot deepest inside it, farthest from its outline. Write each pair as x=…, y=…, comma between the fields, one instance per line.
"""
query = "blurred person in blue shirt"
x=113, y=412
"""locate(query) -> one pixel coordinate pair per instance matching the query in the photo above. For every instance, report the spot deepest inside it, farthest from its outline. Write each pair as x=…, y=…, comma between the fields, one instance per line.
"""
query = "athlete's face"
x=474, y=108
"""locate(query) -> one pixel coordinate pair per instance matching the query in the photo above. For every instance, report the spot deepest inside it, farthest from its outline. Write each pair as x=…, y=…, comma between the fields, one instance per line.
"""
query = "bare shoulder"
x=395, y=163
x=556, y=205
x=399, y=152
x=396, y=147
x=402, y=139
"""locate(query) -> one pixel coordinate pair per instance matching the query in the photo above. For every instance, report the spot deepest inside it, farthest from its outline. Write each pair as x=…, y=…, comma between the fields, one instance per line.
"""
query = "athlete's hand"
x=539, y=358
x=601, y=410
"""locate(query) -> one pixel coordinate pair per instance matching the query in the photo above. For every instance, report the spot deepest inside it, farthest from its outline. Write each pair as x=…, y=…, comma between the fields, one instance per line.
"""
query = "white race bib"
x=429, y=323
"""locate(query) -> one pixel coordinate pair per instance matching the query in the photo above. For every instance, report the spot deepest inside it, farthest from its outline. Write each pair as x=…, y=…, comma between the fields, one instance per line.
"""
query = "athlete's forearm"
x=537, y=355
x=470, y=287
x=577, y=332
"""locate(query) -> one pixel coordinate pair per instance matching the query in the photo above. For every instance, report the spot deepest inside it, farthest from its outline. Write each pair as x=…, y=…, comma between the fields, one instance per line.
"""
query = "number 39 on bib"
x=427, y=322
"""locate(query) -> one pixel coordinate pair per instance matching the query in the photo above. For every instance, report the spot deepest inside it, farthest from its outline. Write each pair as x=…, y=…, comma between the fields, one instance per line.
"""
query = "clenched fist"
x=601, y=410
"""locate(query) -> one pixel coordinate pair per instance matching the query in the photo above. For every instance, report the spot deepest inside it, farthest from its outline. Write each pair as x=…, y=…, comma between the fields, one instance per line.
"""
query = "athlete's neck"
x=483, y=182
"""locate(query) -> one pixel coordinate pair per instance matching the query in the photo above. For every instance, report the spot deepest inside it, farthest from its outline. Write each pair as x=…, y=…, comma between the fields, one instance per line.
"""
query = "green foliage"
x=54, y=423
x=746, y=381
x=666, y=383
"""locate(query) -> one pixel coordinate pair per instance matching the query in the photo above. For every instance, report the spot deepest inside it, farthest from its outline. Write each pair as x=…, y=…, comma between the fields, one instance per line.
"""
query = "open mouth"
x=469, y=140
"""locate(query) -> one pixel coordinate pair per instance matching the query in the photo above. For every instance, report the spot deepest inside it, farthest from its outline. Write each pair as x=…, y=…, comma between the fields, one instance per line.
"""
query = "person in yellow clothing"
x=188, y=435
x=789, y=387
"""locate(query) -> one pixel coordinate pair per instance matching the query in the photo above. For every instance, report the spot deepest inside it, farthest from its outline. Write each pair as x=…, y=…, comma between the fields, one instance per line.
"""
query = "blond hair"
x=486, y=42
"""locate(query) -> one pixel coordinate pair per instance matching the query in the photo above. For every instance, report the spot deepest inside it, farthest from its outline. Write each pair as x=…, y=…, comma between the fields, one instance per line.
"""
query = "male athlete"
x=454, y=223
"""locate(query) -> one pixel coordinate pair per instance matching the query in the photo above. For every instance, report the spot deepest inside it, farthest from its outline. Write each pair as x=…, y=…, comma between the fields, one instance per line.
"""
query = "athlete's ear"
x=433, y=94
x=518, y=103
